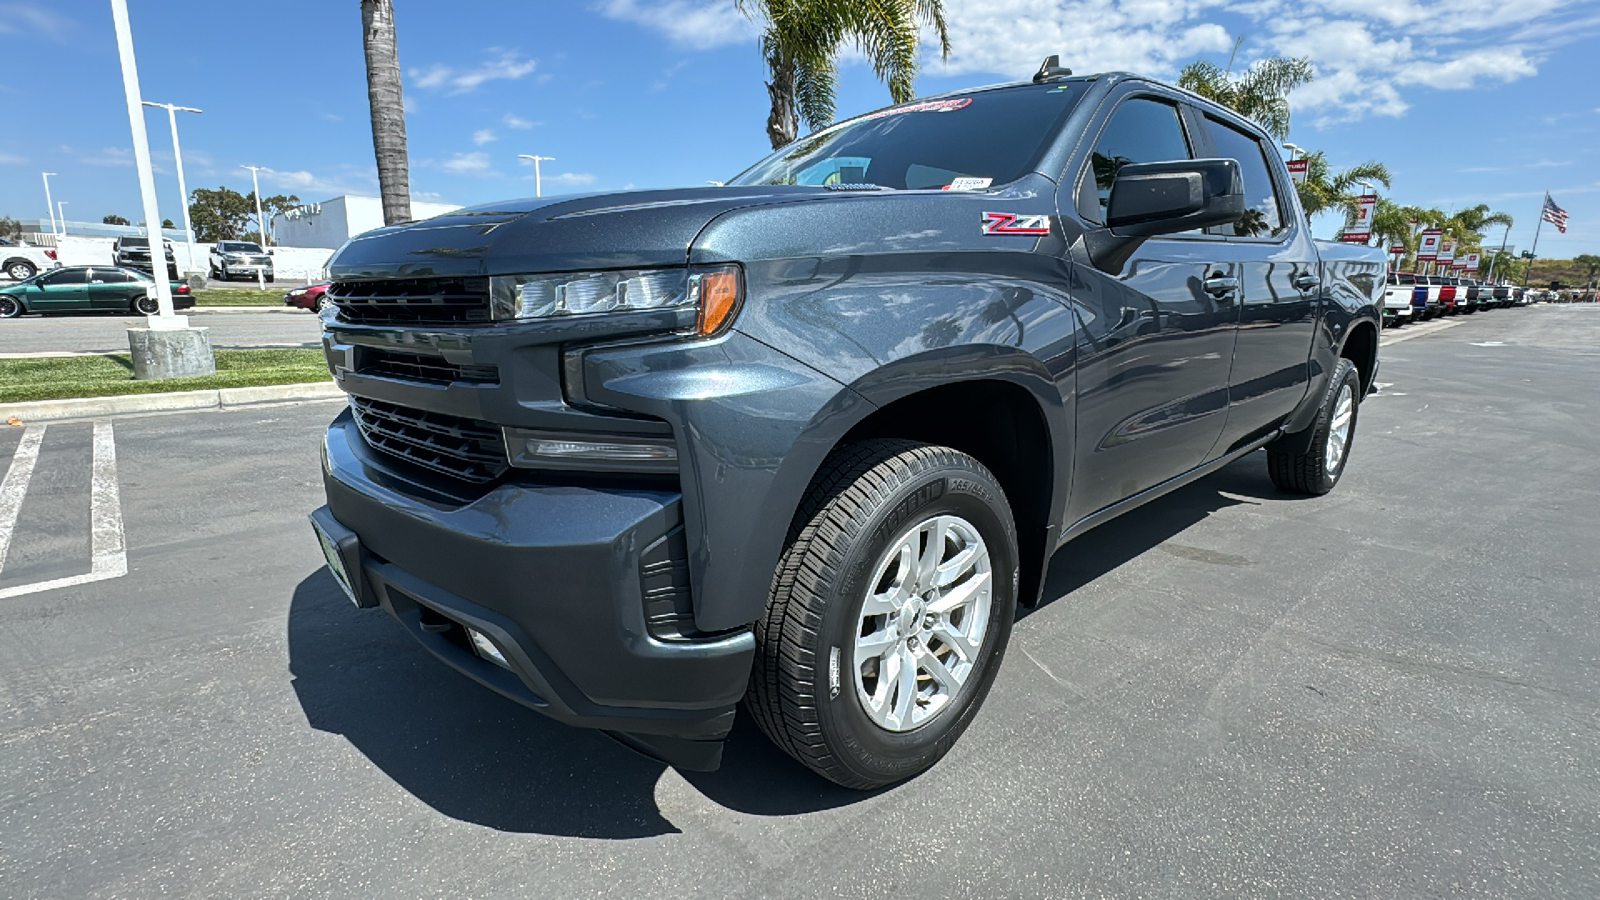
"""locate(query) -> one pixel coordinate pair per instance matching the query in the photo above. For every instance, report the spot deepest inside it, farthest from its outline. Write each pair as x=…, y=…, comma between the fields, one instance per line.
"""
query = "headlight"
x=713, y=293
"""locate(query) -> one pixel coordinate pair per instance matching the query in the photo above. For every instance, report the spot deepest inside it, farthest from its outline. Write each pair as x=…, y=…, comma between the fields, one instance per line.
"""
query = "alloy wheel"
x=1339, y=429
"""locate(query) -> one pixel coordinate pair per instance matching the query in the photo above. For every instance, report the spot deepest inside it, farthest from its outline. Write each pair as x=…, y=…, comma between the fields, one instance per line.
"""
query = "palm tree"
x=1261, y=93
x=1469, y=224
x=388, y=111
x=801, y=39
x=1325, y=190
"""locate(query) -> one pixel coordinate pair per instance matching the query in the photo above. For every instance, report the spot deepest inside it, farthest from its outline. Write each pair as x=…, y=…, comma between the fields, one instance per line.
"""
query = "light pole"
x=166, y=347
x=536, y=161
x=183, y=190
x=62, y=216
x=1295, y=152
x=260, y=222
x=49, y=205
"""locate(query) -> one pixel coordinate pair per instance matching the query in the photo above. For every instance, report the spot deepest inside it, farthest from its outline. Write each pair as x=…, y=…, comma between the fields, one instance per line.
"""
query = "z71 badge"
x=1011, y=223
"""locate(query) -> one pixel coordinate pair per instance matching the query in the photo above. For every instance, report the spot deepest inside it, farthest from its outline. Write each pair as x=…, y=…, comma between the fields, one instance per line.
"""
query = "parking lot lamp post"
x=49, y=204
x=62, y=216
x=261, y=224
x=1295, y=152
x=536, y=161
x=183, y=191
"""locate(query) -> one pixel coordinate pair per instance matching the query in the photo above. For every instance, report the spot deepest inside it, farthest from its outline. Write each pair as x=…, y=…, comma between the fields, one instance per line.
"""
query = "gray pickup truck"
x=808, y=439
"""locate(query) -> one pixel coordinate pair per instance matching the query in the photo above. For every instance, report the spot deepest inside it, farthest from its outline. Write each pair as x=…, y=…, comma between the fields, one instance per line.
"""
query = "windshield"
x=239, y=247
x=136, y=243
x=965, y=142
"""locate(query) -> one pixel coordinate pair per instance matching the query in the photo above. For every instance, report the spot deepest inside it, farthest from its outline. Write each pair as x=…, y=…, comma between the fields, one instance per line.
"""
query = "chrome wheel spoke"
x=957, y=639
x=960, y=595
x=928, y=564
x=878, y=644
x=947, y=680
x=905, y=688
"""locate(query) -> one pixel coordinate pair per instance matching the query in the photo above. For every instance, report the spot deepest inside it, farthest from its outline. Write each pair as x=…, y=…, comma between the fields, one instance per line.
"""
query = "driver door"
x=61, y=290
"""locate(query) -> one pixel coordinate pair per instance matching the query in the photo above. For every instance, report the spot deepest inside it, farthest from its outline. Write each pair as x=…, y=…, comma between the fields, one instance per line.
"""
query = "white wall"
x=289, y=264
x=342, y=218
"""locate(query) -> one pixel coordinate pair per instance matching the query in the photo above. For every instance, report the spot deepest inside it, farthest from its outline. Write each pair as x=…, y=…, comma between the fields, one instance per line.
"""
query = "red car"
x=313, y=297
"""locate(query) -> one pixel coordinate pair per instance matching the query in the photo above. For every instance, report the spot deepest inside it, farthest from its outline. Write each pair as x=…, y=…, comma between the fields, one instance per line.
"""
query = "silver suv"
x=240, y=259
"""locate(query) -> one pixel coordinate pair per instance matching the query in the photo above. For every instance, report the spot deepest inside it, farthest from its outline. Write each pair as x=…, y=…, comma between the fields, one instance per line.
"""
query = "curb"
x=280, y=308
x=176, y=401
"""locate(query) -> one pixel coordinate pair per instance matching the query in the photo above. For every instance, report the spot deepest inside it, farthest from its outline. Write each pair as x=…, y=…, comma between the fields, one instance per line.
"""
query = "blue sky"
x=1466, y=100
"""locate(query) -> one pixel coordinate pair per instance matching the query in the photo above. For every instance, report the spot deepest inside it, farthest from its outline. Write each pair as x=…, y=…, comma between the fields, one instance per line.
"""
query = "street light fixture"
x=177, y=158
x=49, y=205
x=1295, y=151
x=536, y=161
x=261, y=223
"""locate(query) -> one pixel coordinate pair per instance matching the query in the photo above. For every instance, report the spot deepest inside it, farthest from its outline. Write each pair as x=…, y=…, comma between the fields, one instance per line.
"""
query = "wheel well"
x=1361, y=348
x=999, y=424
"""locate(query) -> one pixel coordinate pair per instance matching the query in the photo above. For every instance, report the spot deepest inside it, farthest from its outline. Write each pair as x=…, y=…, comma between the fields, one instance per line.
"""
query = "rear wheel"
x=889, y=612
x=1311, y=461
x=146, y=305
x=21, y=269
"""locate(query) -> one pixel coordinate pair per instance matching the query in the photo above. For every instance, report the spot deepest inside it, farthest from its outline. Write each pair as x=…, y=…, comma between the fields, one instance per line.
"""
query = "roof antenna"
x=1051, y=69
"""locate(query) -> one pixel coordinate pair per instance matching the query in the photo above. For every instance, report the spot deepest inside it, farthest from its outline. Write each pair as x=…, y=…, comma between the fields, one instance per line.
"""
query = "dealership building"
x=332, y=222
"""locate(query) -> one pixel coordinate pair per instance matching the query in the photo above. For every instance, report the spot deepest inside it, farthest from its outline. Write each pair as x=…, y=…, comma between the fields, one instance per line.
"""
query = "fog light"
x=486, y=648
x=531, y=449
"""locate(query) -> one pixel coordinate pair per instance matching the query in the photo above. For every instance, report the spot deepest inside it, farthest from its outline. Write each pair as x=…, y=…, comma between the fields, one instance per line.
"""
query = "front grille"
x=413, y=301
x=416, y=367
x=467, y=449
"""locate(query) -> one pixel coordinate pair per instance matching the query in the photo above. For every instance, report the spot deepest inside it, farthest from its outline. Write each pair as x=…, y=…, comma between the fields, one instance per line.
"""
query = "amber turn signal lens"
x=719, y=298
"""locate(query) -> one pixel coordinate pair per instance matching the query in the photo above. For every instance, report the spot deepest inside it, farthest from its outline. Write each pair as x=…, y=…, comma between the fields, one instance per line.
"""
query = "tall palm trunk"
x=783, y=124
x=388, y=111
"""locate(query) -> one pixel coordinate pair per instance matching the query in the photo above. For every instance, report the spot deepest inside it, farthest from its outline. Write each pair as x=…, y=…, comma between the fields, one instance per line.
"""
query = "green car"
x=87, y=288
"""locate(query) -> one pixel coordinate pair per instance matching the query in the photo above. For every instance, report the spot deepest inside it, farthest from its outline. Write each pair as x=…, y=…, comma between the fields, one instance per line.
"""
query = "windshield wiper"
x=863, y=186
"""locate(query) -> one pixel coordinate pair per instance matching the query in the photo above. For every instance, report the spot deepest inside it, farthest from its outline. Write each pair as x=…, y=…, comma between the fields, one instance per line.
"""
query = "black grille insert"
x=412, y=301
x=467, y=449
x=417, y=367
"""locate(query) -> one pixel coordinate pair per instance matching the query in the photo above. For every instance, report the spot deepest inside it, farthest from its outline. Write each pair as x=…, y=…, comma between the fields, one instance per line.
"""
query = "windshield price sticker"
x=968, y=184
x=928, y=106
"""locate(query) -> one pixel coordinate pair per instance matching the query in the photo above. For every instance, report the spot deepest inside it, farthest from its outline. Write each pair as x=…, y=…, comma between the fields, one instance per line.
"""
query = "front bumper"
x=556, y=575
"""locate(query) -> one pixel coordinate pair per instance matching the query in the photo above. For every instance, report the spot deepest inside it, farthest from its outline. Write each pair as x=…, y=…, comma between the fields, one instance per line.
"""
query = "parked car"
x=1400, y=299
x=20, y=261
x=240, y=259
x=81, y=288
x=817, y=460
x=132, y=252
x=313, y=297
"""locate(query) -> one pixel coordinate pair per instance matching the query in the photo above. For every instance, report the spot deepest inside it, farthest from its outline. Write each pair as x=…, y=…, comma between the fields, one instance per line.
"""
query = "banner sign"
x=1428, y=250
x=1361, y=231
x=1472, y=261
x=1298, y=168
x=1447, y=250
x=1397, y=249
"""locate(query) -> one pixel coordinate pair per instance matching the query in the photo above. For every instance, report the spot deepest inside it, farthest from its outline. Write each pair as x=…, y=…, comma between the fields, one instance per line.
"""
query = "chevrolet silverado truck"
x=1403, y=297
x=804, y=442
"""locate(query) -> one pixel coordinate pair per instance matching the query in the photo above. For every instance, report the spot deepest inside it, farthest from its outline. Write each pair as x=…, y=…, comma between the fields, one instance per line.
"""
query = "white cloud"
x=696, y=23
x=33, y=21
x=9, y=159
x=483, y=136
x=309, y=185
x=109, y=156
x=512, y=120
x=507, y=66
x=467, y=164
x=574, y=179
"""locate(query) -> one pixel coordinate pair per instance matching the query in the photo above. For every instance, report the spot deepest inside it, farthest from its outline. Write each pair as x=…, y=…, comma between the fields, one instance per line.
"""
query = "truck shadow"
x=478, y=757
x=475, y=756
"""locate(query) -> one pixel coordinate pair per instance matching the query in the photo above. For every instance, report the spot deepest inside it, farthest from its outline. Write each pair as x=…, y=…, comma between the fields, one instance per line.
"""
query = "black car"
x=805, y=441
x=88, y=288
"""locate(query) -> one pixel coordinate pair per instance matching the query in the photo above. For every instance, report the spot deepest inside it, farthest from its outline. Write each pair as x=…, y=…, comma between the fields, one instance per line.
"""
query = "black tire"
x=10, y=307
x=269, y=279
x=145, y=305
x=1298, y=463
x=321, y=304
x=21, y=269
x=866, y=497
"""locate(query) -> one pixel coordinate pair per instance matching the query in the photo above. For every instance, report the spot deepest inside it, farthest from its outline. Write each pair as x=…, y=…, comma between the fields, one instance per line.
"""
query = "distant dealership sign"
x=305, y=211
x=1298, y=169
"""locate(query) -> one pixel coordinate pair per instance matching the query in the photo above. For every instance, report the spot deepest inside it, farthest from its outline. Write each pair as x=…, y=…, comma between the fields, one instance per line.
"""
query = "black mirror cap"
x=1168, y=197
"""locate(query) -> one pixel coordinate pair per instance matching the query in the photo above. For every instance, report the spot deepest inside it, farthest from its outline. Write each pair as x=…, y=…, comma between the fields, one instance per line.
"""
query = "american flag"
x=1554, y=214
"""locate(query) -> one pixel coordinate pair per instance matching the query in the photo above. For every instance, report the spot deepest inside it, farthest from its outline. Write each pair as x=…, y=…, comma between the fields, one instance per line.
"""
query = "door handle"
x=1306, y=281
x=1221, y=286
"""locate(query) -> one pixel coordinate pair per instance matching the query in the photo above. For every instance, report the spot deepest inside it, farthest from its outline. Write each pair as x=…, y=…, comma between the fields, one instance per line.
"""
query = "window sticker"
x=968, y=184
x=941, y=106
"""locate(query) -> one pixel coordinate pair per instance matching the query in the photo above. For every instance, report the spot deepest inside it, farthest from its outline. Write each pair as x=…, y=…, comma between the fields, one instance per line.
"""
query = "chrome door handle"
x=1306, y=282
x=1220, y=285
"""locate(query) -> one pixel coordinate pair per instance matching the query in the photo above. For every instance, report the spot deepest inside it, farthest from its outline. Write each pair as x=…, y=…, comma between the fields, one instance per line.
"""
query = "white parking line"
x=107, y=544
x=1418, y=330
x=15, y=485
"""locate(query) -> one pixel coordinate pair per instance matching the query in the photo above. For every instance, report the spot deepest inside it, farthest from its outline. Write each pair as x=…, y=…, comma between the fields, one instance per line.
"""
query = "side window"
x=69, y=276
x=1141, y=130
x=1263, y=214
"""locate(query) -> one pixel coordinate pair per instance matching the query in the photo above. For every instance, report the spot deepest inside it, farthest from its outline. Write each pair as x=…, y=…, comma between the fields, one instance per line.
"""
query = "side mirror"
x=1148, y=199
x=272, y=252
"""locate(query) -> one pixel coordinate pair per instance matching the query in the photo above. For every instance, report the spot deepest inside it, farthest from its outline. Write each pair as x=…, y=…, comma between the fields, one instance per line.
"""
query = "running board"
x=1166, y=487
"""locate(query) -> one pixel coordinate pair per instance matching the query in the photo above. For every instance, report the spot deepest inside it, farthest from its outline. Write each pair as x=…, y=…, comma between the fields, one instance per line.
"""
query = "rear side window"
x=1263, y=214
x=1141, y=130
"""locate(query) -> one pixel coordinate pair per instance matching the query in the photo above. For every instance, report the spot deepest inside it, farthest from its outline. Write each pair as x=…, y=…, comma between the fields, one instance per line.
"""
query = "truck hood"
x=623, y=230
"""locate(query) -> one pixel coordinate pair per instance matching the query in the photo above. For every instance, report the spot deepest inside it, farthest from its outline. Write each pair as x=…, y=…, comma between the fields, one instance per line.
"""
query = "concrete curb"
x=177, y=401
x=208, y=310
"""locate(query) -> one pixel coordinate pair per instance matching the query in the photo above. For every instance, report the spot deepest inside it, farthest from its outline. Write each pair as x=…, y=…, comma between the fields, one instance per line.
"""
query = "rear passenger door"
x=1158, y=332
x=110, y=289
x=1279, y=290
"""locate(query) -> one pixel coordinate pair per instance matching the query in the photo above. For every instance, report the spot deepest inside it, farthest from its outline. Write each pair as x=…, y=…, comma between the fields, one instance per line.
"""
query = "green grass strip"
x=228, y=297
x=61, y=377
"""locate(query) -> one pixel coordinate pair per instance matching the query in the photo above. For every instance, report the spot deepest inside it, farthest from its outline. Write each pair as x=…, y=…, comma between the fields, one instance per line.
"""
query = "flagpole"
x=1528, y=272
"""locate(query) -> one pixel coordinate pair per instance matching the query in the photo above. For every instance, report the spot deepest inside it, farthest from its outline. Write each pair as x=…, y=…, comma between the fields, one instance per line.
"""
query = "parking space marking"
x=107, y=544
x=1426, y=329
x=15, y=485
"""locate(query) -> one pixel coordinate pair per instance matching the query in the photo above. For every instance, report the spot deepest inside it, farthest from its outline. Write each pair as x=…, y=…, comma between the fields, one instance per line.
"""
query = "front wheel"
x=1311, y=461
x=889, y=612
x=10, y=307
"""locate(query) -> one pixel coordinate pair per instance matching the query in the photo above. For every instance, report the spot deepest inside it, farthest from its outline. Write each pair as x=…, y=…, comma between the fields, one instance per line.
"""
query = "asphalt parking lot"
x=100, y=333
x=1389, y=691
